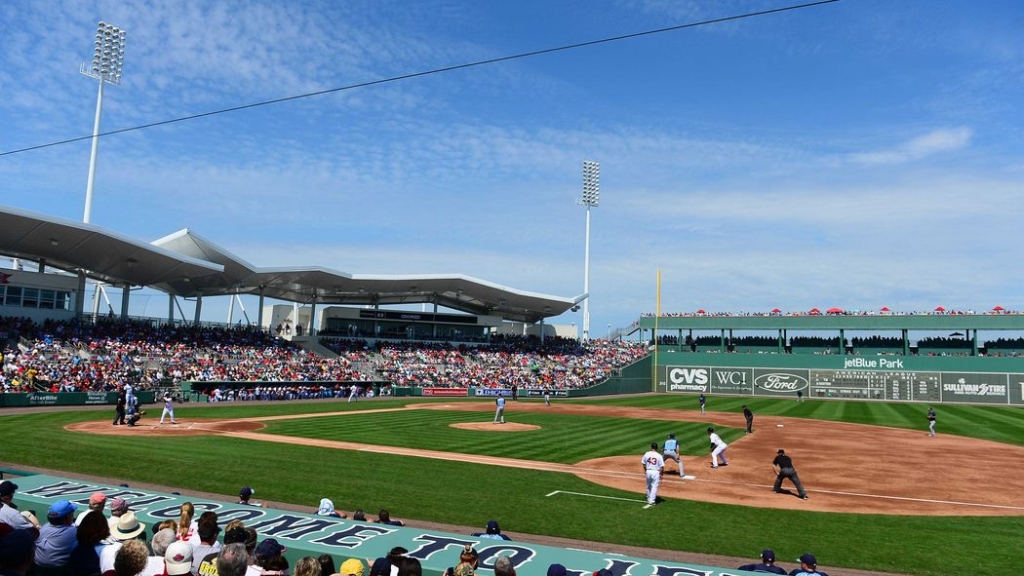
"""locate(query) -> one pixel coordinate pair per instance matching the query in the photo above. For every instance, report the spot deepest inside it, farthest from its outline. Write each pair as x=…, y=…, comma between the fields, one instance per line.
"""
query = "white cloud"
x=935, y=142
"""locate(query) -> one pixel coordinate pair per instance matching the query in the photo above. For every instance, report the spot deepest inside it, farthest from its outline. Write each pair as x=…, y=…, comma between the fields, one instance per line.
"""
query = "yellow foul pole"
x=654, y=336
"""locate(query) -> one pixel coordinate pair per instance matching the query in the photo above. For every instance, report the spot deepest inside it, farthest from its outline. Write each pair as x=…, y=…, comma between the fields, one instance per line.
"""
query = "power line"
x=431, y=72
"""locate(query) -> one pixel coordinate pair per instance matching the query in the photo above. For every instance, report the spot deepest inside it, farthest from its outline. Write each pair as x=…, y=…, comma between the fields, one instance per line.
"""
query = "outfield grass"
x=469, y=494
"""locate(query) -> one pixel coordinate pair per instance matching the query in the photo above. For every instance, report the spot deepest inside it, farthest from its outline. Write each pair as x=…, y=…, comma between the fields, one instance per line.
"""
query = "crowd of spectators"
x=884, y=311
x=106, y=355
x=109, y=354
x=505, y=361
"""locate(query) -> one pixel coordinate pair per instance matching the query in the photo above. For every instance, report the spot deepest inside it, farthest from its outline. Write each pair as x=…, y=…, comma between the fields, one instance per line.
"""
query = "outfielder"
x=703, y=402
x=547, y=396
x=717, y=448
x=931, y=421
x=654, y=467
x=671, y=451
x=499, y=413
x=168, y=409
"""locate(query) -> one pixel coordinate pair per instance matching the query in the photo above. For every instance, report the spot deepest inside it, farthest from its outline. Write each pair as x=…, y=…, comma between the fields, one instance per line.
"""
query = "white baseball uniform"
x=168, y=410
x=653, y=465
x=719, y=451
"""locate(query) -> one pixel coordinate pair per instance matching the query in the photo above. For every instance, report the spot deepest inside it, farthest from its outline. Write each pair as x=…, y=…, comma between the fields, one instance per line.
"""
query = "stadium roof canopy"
x=188, y=265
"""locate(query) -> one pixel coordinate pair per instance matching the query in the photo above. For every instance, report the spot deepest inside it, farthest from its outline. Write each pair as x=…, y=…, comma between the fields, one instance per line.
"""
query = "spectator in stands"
x=128, y=529
x=208, y=544
x=380, y=567
x=244, y=496
x=9, y=511
x=327, y=564
x=503, y=567
x=131, y=558
x=307, y=566
x=352, y=567
x=327, y=509
x=208, y=563
x=556, y=570
x=808, y=566
x=232, y=560
x=492, y=531
x=767, y=564
x=409, y=567
x=98, y=501
x=161, y=541
x=118, y=506
x=178, y=559
x=360, y=516
x=17, y=551
x=57, y=538
x=269, y=558
x=90, y=539
x=395, y=556
x=384, y=517
x=186, y=524
x=468, y=560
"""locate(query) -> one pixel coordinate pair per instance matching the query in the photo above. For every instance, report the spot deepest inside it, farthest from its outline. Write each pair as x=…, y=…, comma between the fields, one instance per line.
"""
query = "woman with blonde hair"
x=307, y=566
x=186, y=526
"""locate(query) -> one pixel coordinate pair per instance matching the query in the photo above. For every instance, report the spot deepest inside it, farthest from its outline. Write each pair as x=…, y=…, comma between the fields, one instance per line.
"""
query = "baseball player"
x=703, y=402
x=499, y=413
x=654, y=468
x=671, y=451
x=353, y=393
x=168, y=409
x=783, y=466
x=749, y=417
x=808, y=566
x=767, y=564
x=717, y=448
x=547, y=395
x=931, y=421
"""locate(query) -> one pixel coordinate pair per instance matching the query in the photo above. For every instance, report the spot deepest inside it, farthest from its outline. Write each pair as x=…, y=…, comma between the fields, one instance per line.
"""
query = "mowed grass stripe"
x=562, y=438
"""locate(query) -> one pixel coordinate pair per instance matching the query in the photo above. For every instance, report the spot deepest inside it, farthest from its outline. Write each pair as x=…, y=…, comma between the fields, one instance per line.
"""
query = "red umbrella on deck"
x=834, y=310
x=776, y=311
x=940, y=309
x=998, y=309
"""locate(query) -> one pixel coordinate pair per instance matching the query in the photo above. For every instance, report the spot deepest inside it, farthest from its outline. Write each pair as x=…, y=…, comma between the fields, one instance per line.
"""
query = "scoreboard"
x=875, y=385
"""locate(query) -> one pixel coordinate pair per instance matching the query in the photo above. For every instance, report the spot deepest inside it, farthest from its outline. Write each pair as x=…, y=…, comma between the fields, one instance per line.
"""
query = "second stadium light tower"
x=591, y=198
x=107, y=61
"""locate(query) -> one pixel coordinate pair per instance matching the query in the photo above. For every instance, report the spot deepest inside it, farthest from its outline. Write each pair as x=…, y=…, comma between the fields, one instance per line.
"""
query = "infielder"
x=671, y=451
x=168, y=409
x=499, y=413
x=717, y=448
x=931, y=421
x=703, y=402
x=654, y=468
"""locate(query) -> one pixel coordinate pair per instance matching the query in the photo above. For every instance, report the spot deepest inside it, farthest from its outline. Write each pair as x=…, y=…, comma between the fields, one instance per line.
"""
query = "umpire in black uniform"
x=783, y=466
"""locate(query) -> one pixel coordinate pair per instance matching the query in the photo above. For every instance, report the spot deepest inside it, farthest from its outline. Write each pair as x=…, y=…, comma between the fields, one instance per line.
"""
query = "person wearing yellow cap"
x=352, y=567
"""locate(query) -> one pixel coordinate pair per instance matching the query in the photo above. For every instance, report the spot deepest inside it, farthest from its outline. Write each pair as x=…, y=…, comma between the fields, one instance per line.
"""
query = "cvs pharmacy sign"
x=688, y=379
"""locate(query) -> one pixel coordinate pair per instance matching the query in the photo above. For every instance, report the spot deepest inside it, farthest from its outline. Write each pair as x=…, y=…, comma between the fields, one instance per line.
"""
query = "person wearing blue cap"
x=808, y=566
x=767, y=564
x=493, y=532
x=58, y=538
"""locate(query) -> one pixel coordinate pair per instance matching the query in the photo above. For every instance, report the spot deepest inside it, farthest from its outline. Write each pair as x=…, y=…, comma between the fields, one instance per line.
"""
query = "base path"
x=849, y=468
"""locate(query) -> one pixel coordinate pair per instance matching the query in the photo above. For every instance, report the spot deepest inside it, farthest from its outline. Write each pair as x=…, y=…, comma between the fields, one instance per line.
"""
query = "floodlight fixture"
x=591, y=198
x=107, y=64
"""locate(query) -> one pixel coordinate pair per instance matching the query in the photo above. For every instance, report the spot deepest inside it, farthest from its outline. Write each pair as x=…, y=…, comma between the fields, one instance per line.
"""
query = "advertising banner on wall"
x=780, y=382
x=976, y=387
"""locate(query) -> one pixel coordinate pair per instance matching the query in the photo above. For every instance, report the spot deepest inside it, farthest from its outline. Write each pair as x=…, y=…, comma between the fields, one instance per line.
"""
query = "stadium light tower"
x=591, y=198
x=107, y=61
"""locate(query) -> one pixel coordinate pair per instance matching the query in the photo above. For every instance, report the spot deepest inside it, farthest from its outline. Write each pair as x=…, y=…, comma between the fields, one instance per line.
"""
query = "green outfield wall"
x=931, y=379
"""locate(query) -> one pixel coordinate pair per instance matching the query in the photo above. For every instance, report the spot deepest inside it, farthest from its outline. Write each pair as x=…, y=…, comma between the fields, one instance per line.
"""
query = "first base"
x=780, y=425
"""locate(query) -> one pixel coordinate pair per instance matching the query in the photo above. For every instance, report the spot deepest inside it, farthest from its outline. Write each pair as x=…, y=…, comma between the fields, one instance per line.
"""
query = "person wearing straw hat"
x=127, y=528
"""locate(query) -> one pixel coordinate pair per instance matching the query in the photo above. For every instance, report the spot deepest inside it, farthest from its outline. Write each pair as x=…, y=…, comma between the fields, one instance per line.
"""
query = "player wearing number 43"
x=654, y=467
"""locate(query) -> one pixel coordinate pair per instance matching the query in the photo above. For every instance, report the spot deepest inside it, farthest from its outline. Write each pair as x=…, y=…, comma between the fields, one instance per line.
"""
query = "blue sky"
x=860, y=154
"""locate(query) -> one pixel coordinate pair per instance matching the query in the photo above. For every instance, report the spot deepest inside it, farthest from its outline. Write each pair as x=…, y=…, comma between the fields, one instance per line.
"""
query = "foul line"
x=595, y=496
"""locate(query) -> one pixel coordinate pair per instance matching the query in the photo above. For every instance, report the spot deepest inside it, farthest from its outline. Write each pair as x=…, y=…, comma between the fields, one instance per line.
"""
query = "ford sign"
x=780, y=382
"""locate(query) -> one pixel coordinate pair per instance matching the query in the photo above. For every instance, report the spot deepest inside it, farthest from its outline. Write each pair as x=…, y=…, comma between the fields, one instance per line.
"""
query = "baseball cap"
x=7, y=488
x=268, y=548
x=61, y=508
x=672, y=435
x=381, y=567
x=654, y=445
x=118, y=505
x=711, y=428
x=808, y=559
x=768, y=555
x=246, y=492
x=353, y=567
x=556, y=570
x=97, y=498
x=178, y=558
x=492, y=527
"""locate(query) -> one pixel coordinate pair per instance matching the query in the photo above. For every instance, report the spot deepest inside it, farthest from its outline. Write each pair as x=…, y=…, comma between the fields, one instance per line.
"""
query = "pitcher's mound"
x=492, y=427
